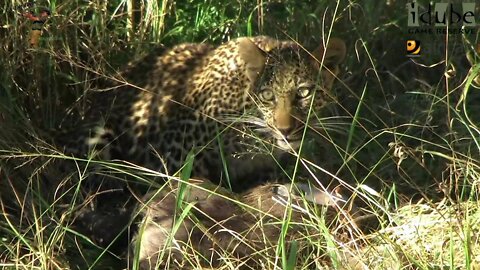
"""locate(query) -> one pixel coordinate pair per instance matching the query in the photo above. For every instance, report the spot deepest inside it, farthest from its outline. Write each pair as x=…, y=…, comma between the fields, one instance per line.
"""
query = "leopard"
x=229, y=114
x=237, y=108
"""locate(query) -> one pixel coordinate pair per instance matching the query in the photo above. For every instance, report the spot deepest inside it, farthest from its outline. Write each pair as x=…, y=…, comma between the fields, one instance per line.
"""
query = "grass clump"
x=400, y=134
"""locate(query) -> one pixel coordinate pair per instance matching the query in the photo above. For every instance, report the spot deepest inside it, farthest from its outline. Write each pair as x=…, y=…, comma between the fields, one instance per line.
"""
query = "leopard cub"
x=238, y=107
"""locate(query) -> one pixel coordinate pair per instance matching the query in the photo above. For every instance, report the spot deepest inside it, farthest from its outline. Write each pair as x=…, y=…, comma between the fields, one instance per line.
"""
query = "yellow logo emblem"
x=413, y=48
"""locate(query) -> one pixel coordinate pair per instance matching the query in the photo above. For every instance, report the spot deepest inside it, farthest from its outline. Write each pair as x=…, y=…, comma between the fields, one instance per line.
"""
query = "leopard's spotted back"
x=209, y=99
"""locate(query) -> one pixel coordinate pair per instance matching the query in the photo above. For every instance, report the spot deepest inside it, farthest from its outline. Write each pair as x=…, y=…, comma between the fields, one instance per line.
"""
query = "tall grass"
x=401, y=135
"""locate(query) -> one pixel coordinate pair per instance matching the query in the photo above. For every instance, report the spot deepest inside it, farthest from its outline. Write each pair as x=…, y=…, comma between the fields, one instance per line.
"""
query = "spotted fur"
x=205, y=99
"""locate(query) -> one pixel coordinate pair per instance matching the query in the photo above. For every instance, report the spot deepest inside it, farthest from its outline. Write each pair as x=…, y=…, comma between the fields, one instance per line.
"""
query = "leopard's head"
x=289, y=82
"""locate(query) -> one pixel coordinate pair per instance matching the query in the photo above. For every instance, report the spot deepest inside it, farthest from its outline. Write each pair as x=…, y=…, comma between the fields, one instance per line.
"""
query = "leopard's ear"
x=253, y=57
x=335, y=52
x=334, y=55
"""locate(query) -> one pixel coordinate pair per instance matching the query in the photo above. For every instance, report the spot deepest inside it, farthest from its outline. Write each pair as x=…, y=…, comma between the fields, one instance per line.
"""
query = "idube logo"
x=441, y=18
x=442, y=14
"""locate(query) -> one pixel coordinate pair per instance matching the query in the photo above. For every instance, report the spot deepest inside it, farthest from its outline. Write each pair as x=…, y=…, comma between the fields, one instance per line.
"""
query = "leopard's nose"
x=283, y=118
x=286, y=125
x=285, y=131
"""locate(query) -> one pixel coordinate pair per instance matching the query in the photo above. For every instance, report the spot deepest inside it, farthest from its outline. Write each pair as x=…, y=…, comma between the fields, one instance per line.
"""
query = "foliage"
x=397, y=129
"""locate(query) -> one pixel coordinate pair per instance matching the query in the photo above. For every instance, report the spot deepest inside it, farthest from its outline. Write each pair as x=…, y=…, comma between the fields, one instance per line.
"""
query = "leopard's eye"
x=267, y=95
x=304, y=91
